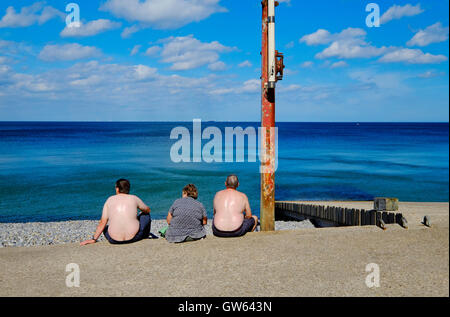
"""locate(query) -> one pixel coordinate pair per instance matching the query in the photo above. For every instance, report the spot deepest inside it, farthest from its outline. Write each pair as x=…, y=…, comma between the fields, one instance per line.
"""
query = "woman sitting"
x=186, y=217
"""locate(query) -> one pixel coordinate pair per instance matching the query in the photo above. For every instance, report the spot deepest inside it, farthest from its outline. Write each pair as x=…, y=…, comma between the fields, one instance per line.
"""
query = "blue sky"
x=172, y=60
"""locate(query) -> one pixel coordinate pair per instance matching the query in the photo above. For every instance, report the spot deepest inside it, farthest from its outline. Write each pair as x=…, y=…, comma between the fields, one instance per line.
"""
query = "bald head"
x=232, y=181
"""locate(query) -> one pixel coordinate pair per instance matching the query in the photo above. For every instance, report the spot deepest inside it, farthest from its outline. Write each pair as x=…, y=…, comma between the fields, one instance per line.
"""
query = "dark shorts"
x=246, y=226
x=144, y=231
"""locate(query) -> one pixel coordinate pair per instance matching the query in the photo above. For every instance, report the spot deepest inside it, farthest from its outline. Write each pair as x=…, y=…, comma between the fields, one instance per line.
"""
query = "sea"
x=58, y=171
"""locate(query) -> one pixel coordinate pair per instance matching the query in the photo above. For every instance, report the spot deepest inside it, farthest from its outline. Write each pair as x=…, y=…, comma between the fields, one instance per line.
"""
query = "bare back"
x=229, y=208
x=121, y=211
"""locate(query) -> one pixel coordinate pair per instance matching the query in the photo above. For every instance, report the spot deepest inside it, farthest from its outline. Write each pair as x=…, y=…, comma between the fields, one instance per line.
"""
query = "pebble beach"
x=53, y=233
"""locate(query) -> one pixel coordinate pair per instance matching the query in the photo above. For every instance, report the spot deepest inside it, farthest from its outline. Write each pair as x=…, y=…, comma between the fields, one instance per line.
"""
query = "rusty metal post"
x=267, y=210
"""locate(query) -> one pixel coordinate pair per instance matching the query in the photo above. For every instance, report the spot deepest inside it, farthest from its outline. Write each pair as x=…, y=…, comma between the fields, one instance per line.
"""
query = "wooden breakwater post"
x=338, y=216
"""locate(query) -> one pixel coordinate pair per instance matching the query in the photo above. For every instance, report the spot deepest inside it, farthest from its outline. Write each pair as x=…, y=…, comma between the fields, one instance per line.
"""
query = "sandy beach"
x=300, y=262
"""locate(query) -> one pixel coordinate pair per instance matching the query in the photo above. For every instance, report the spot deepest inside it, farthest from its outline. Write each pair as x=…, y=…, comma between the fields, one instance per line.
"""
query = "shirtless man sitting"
x=125, y=226
x=230, y=206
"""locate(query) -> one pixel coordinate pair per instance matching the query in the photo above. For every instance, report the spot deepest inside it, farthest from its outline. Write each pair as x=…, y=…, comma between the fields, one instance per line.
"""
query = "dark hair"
x=232, y=181
x=191, y=191
x=123, y=185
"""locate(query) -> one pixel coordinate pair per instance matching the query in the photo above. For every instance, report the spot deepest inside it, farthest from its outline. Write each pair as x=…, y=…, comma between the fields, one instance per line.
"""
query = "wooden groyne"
x=338, y=216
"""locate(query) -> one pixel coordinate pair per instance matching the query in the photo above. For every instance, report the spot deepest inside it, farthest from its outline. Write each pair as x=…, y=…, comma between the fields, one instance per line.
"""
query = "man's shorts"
x=247, y=226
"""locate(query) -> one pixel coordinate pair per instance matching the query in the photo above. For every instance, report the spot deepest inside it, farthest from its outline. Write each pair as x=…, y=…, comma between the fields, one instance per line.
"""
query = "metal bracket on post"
x=279, y=65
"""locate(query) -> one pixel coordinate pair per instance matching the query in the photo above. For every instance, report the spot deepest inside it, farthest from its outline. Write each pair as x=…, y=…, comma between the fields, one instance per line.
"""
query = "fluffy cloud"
x=433, y=34
x=338, y=64
x=35, y=13
x=152, y=50
x=187, y=52
x=321, y=36
x=245, y=64
x=68, y=52
x=349, y=43
x=248, y=87
x=290, y=45
x=128, y=31
x=217, y=66
x=90, y=28
x=143, y=72
x=14, y=48
x=431, y=74
x=135, y=50
x=94, y=90
x=167, y=14
x=307, y=64
x=397, y=12
x=412, y=56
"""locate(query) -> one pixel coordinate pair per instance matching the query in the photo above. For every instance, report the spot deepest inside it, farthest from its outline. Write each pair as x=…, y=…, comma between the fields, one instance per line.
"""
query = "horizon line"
x=184, y=121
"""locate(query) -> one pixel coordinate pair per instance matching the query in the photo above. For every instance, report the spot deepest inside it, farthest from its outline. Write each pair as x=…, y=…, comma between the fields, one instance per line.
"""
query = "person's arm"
x=170, y=214
x=248, y=211
x=169, y=218
x=100, y=227
x=141, y=206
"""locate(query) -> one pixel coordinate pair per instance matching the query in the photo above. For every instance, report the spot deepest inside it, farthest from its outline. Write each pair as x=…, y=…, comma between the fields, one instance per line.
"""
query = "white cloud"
x=397, y=12
x=35, y=13
x=167, y=14
x=288, y=2
x=290, y=44
x=68, y=52
x=292, y=87
x=101, y=89
x=128, y=31
x=12, y=48
x=245, y=64
x=433, y=34
x=349, y=43
x=307, y=64
x=248, y=87
x=144, y=72
x=411, y=56
x=187, y=52
x=338, y=64
x=89, y=81
x=217, y=66
x=153, y=50
x=386, y=81
x=135, y=50
x=430, y=74
x=288, y=72
x=91, y=28
x=321, y=36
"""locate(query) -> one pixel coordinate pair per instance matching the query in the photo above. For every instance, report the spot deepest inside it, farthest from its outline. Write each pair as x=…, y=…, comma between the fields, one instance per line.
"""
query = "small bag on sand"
x=162, y=231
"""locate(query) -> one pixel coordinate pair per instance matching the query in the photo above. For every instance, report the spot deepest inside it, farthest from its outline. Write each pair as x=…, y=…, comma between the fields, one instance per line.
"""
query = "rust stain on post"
x=267, y=211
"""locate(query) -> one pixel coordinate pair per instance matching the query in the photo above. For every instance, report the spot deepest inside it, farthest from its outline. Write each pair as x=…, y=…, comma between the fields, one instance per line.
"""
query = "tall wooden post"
x=267, y=210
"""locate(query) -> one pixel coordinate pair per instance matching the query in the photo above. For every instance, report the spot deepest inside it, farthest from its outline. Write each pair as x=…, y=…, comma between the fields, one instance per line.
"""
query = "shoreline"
x=31, y=234
x=302, y=262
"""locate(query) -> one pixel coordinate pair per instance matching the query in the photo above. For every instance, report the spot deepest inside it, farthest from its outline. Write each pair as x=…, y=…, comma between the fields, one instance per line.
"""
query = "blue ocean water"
x=51, y=171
